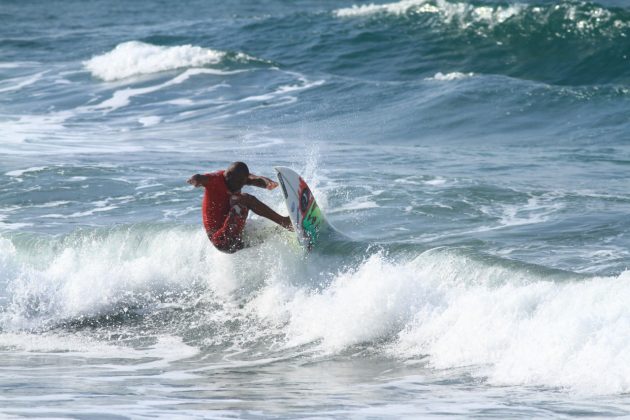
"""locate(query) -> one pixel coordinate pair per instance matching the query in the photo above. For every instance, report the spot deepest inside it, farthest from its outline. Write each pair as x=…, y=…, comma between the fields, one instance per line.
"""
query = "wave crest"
x=505, y=322
x=135, y=58
x=567, y=18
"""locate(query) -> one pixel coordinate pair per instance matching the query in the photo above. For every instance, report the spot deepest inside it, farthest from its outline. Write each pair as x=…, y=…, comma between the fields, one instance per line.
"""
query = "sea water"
x=476, y=152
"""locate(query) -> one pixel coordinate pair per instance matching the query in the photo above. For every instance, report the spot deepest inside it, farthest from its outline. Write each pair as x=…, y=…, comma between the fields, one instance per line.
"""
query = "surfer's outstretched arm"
x=261, y=182
x=262, y=209
x=198, y=180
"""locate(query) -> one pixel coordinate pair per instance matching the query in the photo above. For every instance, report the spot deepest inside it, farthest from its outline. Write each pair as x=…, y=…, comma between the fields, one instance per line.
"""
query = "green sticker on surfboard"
x=308, y=219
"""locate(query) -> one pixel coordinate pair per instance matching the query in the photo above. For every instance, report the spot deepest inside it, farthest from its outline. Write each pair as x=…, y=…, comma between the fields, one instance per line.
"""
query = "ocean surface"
x=476, y=152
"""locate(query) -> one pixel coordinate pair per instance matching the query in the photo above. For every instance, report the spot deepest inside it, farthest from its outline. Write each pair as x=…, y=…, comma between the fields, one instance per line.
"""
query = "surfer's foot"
x=286, y=223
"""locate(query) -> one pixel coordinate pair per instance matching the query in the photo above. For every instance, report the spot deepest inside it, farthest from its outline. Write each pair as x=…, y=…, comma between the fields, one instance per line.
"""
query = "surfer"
x=225, y=207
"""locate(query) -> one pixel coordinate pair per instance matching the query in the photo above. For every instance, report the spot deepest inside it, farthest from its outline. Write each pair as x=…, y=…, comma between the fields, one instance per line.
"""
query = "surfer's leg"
x=229, y=238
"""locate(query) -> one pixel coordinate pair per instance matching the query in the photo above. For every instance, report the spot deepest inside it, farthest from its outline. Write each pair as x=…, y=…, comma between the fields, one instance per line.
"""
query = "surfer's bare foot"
x=286, y=223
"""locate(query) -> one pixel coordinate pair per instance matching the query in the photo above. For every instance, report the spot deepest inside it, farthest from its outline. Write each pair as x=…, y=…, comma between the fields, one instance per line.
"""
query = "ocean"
x=475, y=152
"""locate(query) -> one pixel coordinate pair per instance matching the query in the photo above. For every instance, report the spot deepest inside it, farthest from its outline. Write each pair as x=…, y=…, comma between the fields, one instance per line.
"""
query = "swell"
x=569, y=43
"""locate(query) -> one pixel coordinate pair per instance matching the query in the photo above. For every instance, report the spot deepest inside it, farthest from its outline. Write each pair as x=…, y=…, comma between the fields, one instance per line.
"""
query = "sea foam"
x=397, y=8
x=135, y=58
x=502, y=321
x=447, y=77
x=93, y=274
x=506, y=325
x=583, y=19
x=463, y=13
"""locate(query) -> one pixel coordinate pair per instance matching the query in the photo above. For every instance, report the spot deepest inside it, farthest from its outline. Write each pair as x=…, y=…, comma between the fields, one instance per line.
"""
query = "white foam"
x=462, y=13
x=135, y=58
x=434, y=181
x=360, y=203
x=538, y=209
x=52, y=343
x=165, y=351
x=181, y=102
x=12, y=226
x=96, y=274
x=150, y=120
x=20, y=82
x=504, y=325
x=91, y=276
x=397, y=8
x=303, y=84
x=450, y=76
x=8, y=265
x=176, y=214
x=99, y=207
x=89, y=212
x=25, y=128
x=122, y=97
x=18, y=64
x=51, y=204
x=147, y=183
x=19, y=172
x=359, y=306
x=566, y=335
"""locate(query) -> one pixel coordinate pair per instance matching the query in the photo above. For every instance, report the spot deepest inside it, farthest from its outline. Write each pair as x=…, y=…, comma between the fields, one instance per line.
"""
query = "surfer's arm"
x=262, y=209
x=261, y=182
x=198, y=180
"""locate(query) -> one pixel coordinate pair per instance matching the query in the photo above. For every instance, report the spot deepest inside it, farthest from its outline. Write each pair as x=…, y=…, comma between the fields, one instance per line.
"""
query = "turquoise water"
x=475, y=152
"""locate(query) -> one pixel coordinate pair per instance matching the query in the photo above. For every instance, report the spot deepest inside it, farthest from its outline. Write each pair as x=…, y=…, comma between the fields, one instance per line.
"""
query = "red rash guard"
x=223, y=223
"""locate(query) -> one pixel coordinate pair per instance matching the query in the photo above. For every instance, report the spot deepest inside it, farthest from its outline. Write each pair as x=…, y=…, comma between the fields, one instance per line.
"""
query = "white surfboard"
x=309, y=221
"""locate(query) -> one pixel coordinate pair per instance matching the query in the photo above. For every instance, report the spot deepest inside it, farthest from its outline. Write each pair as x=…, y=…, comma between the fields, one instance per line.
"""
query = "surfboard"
x=308, y=220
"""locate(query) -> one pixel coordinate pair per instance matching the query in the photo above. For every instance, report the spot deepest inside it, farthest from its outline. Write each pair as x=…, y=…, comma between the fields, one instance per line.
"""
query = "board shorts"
x=229, y=237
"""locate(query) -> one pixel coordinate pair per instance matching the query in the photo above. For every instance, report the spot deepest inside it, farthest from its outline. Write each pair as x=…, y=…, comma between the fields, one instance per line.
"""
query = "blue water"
x=476, y=153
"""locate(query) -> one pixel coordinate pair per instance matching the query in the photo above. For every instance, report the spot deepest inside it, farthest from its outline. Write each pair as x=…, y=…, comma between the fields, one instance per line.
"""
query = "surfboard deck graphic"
x=308, y=219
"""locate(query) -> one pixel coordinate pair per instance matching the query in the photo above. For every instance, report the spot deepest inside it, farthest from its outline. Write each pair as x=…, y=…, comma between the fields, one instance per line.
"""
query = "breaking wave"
x=505, y=322
x=135, y=58
x=575, y=18
x=568, y=43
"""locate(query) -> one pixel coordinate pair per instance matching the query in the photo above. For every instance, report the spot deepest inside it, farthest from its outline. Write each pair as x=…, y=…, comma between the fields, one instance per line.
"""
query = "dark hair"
x=238, y=168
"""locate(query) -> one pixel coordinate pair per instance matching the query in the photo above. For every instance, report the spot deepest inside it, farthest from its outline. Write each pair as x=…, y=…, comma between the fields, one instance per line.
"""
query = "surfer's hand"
x=195, y=180
x=261, y=182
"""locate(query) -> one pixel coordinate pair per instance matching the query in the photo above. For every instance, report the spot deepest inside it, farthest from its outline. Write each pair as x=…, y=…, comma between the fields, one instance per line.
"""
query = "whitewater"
x=475, y=153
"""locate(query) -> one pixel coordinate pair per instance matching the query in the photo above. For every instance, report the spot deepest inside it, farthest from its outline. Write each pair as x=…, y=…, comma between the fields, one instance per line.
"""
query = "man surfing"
x=225, y=208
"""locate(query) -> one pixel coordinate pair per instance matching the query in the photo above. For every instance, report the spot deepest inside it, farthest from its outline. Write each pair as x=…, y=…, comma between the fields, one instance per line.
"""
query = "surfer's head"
x=236, y=176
